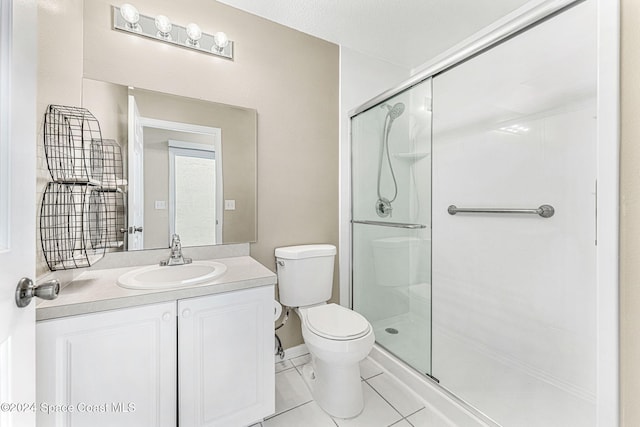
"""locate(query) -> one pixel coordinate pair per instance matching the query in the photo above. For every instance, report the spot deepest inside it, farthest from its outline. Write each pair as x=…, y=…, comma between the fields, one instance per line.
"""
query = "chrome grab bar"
x=545, y=211
x=391, y=224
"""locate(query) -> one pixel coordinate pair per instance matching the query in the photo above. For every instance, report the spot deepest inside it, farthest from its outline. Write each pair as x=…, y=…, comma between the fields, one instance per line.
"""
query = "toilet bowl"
x=337, y=338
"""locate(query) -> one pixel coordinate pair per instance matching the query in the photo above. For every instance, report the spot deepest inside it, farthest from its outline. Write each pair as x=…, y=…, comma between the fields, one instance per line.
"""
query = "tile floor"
x=388, y=402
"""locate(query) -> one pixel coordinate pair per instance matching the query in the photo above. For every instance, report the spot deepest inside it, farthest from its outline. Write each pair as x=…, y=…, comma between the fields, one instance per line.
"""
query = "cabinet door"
x=114, y=368
x=226, y=369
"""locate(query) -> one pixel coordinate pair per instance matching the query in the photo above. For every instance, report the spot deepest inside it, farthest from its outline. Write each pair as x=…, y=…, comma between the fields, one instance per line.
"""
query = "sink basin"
x=175, y=276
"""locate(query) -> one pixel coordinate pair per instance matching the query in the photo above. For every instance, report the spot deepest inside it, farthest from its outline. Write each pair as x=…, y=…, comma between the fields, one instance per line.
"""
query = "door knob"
x=134, y=229
x=26, y=290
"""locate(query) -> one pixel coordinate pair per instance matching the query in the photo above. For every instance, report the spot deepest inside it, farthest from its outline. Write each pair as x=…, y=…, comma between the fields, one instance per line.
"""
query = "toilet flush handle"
x=281, y=263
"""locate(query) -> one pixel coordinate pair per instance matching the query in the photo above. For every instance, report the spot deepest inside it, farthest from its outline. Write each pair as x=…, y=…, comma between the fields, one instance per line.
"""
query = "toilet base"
x=337, y=389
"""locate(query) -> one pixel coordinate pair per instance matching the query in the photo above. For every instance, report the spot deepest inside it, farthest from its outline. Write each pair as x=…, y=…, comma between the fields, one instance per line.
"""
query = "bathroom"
x=303, y=89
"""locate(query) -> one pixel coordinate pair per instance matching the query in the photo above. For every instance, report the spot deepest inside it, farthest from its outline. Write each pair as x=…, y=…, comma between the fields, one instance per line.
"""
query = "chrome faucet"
x=176, y=258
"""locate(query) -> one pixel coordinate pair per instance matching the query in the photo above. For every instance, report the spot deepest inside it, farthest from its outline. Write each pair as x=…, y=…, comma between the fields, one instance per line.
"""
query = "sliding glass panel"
x=391, y=202
x=514, y=295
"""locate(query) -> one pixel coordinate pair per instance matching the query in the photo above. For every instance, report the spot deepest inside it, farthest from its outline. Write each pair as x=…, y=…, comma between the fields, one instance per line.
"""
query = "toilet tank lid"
x=305, y=251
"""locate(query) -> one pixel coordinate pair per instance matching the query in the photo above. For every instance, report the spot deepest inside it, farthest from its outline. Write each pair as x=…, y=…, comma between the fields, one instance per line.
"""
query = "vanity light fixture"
x=127, y=18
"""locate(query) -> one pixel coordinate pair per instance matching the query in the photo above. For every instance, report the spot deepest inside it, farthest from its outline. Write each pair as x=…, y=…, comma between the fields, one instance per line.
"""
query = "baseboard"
x=291, y=352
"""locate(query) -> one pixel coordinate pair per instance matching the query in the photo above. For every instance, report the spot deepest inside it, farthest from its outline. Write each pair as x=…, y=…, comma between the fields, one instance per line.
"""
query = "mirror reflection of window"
x=192, y=197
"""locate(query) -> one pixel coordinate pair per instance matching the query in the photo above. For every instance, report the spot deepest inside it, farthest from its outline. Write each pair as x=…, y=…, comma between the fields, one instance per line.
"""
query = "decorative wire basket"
x=73, y=145
x=115, y=218
x=73, y=226
x=113, y=171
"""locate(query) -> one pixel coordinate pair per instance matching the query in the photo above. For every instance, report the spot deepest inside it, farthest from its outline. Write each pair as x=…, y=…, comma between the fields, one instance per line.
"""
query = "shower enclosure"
x=473, y=224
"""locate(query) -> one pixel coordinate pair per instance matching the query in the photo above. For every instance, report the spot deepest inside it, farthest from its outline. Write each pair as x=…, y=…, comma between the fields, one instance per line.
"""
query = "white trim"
x=179, y=126
x=194, y=146
x=607, y=222
x=172, y=195
x=135, y=176
x=6, y=30
x=344, y=202
x=452, y=408
x=293, y=352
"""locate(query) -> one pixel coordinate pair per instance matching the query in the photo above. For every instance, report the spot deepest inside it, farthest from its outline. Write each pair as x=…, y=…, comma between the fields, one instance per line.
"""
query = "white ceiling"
x=404, y=32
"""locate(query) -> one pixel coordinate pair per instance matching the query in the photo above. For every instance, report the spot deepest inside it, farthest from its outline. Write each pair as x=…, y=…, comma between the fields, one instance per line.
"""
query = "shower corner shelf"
x=411, y=156
x=82, y=212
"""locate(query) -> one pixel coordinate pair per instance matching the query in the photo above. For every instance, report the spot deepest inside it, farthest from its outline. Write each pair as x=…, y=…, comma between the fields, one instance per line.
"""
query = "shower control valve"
x=383, y=208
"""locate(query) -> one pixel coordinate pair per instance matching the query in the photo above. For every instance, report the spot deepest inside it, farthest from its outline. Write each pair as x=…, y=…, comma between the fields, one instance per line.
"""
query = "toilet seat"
x=334, y=322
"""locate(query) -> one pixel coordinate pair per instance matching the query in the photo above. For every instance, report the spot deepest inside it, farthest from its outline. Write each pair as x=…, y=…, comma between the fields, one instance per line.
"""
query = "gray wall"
x=630, y=215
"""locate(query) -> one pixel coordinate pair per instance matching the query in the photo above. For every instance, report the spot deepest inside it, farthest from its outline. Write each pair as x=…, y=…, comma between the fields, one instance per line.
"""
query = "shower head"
x=395, y=111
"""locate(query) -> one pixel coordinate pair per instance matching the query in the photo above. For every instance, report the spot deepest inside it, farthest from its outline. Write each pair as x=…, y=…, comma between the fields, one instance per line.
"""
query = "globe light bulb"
x=163, y=24
x=220, y=41
x=194, y=33
x=130, y=14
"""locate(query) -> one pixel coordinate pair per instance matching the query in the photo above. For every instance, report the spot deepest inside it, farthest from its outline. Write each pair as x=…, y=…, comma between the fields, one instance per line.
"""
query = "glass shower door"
x=391, y=223
x=514, y=319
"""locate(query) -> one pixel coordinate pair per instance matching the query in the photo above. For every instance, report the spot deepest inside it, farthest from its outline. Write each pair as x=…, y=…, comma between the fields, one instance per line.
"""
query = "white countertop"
x=96, y=290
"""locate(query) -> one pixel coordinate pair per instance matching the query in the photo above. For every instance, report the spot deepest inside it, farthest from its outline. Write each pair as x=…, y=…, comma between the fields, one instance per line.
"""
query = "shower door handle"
x=391, y=224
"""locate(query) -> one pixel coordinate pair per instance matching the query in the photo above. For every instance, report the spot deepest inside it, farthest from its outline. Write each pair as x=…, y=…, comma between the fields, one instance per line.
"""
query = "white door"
x=136, y=178
x=17, y=210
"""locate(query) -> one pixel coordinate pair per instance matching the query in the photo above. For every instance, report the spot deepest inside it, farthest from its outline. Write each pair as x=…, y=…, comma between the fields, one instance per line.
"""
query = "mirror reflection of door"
x=135, y=220
x=194, y=197
x=179, y=189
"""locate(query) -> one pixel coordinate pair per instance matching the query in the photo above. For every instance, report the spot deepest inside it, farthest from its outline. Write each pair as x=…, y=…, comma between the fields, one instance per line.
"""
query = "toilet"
x=337, y=338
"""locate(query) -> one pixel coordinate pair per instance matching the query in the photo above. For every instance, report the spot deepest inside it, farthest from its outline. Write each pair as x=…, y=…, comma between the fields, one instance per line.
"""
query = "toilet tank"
x=305, y=274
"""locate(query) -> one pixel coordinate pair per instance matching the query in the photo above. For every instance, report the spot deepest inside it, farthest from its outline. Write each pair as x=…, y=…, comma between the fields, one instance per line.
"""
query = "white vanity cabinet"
x=112, y=368
x=225, y=364
x=208, y=359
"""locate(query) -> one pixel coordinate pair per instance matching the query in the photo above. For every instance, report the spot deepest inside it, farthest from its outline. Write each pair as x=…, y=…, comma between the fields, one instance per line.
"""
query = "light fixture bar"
x=146, y=26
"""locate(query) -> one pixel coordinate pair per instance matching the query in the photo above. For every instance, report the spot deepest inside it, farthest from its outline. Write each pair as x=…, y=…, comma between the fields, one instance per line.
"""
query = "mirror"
x=190, y=166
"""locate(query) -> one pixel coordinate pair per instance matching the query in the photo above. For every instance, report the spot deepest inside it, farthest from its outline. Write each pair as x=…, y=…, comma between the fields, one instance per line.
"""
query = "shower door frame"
x=608, y=171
